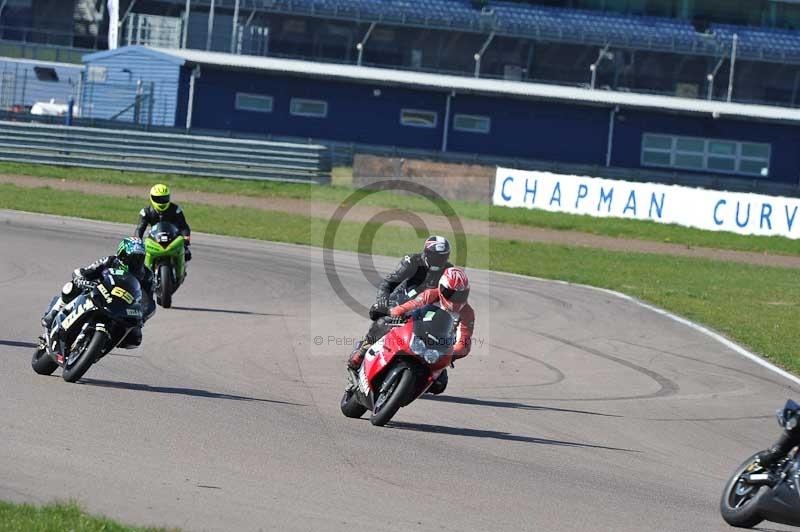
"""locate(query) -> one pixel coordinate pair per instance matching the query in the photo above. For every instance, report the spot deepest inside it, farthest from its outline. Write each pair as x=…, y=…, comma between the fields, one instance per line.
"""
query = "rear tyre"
x=41, y=361
x=165, y=288
x=350, y=405
x=739, y=503
x=393, y=398
x=80, y=365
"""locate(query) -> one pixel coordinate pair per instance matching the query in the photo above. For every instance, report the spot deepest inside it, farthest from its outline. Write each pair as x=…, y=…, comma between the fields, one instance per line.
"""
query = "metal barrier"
x=163, y=153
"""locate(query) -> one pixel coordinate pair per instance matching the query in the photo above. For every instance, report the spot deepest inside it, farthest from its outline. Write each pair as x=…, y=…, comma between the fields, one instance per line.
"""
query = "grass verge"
x=614, y=227
x=754, y=305
x=58, y=517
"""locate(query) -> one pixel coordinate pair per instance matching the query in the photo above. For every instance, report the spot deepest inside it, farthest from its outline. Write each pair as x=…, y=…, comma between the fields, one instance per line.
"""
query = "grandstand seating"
x=562, y=24
x=761, y=42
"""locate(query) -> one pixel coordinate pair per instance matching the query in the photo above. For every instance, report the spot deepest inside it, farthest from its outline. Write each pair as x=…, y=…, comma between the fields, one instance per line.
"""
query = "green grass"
x=614, y=227
x=754, y=305
x=59, y=517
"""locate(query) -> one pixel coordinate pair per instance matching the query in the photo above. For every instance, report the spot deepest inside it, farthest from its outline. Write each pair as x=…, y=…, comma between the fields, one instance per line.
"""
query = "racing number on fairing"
x=122, y=294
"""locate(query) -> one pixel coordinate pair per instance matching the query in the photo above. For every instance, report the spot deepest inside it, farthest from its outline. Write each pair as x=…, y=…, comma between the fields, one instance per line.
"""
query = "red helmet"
x=453, y=289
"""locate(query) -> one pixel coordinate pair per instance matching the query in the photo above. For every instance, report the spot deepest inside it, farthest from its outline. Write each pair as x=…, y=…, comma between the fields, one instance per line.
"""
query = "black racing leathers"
x=173, y=214
x=414, y=272
x=789, y=439
x=95, y=270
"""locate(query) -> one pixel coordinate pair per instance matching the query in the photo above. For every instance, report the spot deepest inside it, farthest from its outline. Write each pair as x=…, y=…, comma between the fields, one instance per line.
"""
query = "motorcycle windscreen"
x=164, y=232
x=435, y=327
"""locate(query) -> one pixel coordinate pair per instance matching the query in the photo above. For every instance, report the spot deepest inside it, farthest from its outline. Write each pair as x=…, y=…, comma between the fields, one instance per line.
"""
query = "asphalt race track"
x=579, y=411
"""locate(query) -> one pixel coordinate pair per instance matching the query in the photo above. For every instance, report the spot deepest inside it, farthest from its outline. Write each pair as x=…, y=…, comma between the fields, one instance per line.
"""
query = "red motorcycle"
x=401, y=366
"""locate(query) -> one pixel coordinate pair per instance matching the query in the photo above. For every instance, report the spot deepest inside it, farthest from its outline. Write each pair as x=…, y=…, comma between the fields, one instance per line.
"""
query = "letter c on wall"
x=503, y=189
x=719, y=204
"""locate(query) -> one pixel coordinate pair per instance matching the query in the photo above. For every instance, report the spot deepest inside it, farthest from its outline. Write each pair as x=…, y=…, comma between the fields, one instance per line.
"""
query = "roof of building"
x=463, y=84
x=38, y=62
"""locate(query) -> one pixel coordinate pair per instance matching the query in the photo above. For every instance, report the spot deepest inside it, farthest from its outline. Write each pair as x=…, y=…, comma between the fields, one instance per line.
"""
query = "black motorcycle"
x=755, y=493
x=90, y=326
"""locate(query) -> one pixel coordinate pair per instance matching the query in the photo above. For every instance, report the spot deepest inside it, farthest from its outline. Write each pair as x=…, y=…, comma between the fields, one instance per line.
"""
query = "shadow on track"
x=496, y=435
x=192, y=392
x=225, y=311
x=12, y=343
x=504, y=404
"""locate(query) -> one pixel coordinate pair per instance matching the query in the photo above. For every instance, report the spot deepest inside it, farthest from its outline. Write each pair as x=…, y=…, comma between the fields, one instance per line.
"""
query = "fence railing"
x=342, y=154
x=163, y=153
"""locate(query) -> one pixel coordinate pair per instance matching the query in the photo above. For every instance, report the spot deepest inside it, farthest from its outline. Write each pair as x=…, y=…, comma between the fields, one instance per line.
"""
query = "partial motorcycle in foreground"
x=90, y=326
x=756, y=493
x=166, y=258
x=401, y=366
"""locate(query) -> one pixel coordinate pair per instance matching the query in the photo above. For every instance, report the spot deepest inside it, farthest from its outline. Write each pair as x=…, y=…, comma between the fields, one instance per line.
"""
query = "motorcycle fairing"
x=381, y=356
x=382, y=352
x=783, y=503
x=77, y=309
x=164, y=243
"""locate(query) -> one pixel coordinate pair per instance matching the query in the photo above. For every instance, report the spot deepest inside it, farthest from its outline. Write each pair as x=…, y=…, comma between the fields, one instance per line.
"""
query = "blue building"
x=262, y=95
x=23, y=82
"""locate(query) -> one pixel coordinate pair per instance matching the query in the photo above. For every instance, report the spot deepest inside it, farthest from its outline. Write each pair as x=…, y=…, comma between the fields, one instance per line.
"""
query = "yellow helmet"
x=159, y=197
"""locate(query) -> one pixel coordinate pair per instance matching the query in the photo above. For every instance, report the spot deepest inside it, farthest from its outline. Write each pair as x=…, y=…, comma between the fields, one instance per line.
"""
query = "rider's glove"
x=396, y=312
x=379, y=309
x=83, y=283
x=382, y=302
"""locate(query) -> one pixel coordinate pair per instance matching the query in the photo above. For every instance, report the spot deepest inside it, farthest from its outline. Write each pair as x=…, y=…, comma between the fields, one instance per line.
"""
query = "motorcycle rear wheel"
x=741, y=510
x=397, y=397
x=165, y=285
x=76, y=370
x=41, y=361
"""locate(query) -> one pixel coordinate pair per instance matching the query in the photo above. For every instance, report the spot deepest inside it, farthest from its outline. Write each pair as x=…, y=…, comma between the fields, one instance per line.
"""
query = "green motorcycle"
x=165, y=257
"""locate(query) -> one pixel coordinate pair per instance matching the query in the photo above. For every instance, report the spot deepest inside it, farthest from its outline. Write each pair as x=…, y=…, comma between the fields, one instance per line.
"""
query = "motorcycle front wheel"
x=165, y=285
x=41, y=361
x=76, y=366
x=389, y=401
x=350, y=405
x=739, y=503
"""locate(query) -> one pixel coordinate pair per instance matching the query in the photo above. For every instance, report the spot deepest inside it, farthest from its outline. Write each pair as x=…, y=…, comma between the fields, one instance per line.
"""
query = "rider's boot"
x=779, y=450
x=47, y=319
x=357, y=356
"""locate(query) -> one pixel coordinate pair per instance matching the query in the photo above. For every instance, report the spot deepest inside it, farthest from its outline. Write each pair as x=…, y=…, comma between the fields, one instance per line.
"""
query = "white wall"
x=747, y=214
